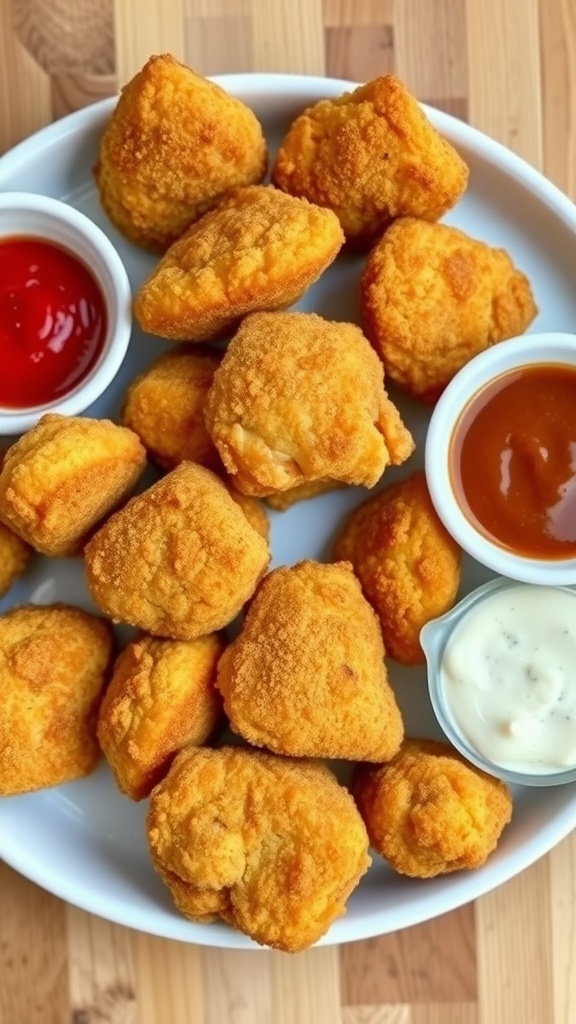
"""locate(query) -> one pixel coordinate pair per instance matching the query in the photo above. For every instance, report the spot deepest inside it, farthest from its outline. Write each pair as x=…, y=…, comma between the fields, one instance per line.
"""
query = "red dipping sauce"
x=513, y=461
x=53, y=322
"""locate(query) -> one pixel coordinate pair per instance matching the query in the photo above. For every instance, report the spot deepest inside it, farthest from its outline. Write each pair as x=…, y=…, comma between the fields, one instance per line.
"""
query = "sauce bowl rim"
x=57, y=222
x=434, y=637
x=546, y=348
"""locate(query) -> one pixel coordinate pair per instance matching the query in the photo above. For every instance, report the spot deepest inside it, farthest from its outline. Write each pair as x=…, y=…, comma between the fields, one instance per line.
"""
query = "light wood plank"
x=377, y=1015
x=504, y=75
x=513, y=942
x=359, y=53
x=558, y=49
x=169, y=982
x=145, y=27
x=24, y=87
x=101, y=969
x=423, y=28
x=237, y=986
x=306, y=988
x=71, y=92
x=32, y=953
x=349, y=13
x=445, y=1013
x=562, y=865
x=433, y=962
x=274, y=47
x=219, y=45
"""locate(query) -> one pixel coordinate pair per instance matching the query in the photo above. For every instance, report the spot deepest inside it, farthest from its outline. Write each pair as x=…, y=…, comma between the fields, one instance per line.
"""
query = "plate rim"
x=555, y=830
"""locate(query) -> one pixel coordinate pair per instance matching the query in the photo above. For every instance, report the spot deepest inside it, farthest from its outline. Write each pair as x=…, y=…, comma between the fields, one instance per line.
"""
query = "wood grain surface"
x=508, y=67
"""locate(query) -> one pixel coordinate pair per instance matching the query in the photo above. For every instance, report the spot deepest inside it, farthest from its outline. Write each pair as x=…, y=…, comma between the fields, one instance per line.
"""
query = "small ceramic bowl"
x=26, y=215
x=435, y=638
x=516, y=354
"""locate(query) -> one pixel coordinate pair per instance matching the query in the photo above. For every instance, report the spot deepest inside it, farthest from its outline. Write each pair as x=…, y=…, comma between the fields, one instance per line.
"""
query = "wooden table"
x=508, y=67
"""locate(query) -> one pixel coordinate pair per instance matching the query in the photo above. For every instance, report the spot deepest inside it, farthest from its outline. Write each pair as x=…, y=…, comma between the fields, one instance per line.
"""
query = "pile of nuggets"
x=260, y=835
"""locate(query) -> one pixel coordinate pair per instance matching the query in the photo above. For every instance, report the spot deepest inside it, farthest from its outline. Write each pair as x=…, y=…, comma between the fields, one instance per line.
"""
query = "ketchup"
x=513, y=460
x=52, y=322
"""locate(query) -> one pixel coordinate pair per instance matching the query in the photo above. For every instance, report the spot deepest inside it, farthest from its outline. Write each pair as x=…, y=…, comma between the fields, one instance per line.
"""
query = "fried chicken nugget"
x=429, y=812
x=54, y=661
x=300, y=399
x=306, y=674
x=259, y=250
x=164, y=406
x=370, y=155
x=407, y=562
x=179, y=560
x=162, y=697
x=175, y=144
x=432, y=297
x=62, y=477
x=273, y=845
x=14, y=555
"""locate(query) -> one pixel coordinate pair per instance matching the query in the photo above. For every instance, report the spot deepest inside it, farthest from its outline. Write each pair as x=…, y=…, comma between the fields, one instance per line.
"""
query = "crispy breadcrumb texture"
x=273, y=845
x=259, y=250
x=306, y=675
x=162, y=697
x=432, y=297
x=62, y=477
x=164, y=406
x=370, y=155
x=174, y=145
x=14, y=556
x=283, y=500
x=54, y=663
x=429, y=812
x=179, y=560
x=299, y=399
x=405, y=559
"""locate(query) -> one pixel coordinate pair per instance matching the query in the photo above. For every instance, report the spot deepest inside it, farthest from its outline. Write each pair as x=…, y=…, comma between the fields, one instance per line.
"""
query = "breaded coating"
x=370, y=155
x=62, y=477
x=175, y=144
x=407, y=562
x=54, y=661
x=273, y=845
x=14, y=555
x=162, y=697
x=283, y=500
x=432, y=297
x=179, y=560
x=306, y=674
x=299, y=399
x=429, y=812
x=164, y=405
x=253, y=510
x=259, y=250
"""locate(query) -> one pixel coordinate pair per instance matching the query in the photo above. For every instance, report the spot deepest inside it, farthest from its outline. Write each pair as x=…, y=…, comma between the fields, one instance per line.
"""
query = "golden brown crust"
x=283, y=500
x=281, y=416
x=62, y=477
x=432, y=297
x=272, y=845
x=407, y=562
x=178, y=560
x=164, y=406
x=54, y=661
x=14, y=555
x=306, y=675
x=429, y=812
x=175, y=144
x=259, y=250
x=370, y=155
x=162, y=697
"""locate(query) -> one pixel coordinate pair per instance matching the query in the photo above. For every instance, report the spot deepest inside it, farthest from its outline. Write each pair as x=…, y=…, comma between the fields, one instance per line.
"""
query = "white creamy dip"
x=509, y=677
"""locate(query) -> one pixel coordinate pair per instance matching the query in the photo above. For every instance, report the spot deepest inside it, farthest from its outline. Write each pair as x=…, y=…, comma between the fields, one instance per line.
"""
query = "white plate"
x=83, y=841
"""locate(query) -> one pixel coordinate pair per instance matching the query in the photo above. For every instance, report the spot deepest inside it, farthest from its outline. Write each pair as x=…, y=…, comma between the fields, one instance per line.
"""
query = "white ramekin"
x=27, y=214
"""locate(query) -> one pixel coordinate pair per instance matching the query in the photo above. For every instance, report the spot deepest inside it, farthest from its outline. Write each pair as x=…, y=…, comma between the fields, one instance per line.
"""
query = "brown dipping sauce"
x=513, y=461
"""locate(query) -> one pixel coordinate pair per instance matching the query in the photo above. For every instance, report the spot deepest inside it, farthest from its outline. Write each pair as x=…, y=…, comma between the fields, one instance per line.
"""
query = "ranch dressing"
x=509, y=677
